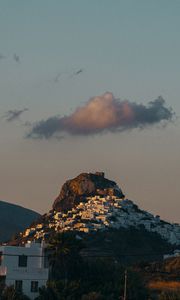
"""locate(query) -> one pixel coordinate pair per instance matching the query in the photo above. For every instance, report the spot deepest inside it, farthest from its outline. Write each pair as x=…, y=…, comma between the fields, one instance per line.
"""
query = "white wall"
x=34, y=271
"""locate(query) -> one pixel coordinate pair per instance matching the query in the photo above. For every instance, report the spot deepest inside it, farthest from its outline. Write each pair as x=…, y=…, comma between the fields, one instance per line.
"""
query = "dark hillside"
x=127, y=245
x=13, y=219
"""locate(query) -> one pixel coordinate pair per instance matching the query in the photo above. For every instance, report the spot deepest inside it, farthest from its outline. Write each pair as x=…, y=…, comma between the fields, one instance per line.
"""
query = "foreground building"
x=24, y=268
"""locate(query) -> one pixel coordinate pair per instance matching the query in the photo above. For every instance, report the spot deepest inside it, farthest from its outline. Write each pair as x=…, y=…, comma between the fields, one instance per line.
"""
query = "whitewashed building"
x=24, y=268
x=176, y=253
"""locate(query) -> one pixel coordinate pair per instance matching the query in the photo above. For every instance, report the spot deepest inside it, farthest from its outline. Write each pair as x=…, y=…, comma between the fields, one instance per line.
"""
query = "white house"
x=24, y=267
x=175, y=254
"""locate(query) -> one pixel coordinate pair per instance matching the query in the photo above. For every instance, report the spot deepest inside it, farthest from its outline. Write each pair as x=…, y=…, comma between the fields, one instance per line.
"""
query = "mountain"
x=96, y=209
x=13, y=219
x=85, y=185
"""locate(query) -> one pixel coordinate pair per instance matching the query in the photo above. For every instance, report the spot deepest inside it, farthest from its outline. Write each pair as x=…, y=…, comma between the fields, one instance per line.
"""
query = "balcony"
x=29, y=269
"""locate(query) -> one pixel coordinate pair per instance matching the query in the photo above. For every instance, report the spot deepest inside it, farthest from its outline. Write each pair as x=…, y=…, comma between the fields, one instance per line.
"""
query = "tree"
x=64, y=257
x=174, y=295
x=74, y=277
x=48, y=293
x=9, y=293
x=92, y=296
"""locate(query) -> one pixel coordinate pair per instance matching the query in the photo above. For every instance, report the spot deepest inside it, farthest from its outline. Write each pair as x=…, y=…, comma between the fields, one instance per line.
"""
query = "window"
x=34, y=286
x=22, y=261
x=18, y=285
x=1, y=257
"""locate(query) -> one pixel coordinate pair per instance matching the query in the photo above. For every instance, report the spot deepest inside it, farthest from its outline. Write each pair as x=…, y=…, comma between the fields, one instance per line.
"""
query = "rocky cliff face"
x=77, y=189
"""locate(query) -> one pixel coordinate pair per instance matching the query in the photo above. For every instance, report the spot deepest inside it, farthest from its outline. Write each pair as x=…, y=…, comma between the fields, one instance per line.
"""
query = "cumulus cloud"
x=103, y=114
x=12, y=115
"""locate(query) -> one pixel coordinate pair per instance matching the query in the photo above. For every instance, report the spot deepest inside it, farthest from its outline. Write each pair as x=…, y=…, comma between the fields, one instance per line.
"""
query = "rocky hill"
x=13, y=219
x=94, y=206
x=85, y=185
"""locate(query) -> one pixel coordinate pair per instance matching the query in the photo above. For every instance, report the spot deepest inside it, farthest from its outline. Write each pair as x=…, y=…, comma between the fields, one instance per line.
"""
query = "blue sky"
x=129, y=48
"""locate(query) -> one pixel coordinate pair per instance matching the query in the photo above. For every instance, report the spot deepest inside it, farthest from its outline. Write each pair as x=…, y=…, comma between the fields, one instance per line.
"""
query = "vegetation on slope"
x=74, y=277
x=13, y=219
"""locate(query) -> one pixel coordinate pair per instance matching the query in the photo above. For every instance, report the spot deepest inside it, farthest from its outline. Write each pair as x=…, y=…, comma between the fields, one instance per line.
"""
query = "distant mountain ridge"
x=13, y=219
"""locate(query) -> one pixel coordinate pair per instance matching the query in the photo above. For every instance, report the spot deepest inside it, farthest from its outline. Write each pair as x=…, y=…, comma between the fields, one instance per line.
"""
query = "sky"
x=90, y=86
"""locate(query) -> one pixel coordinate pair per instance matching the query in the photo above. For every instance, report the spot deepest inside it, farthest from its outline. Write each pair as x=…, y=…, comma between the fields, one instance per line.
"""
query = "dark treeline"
x=73, y=277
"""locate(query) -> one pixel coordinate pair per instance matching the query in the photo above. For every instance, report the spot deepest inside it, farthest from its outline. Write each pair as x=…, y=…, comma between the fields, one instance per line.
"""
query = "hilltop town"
x=93, y=218
x=99, y=212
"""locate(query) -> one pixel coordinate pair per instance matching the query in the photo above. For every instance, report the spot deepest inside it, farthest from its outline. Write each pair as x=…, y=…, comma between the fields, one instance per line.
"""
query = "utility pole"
x=125, y=285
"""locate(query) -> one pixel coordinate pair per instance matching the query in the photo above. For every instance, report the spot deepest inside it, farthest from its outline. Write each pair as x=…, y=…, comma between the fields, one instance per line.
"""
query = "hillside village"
x=100, y=213
x=87, y=204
